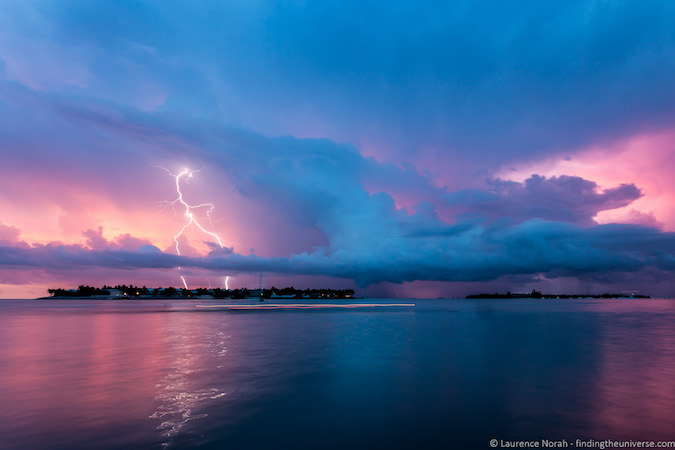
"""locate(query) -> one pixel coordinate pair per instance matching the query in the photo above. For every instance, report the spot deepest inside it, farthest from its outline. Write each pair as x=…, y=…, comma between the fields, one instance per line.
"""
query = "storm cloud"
x=342, y=140
x=479, y=254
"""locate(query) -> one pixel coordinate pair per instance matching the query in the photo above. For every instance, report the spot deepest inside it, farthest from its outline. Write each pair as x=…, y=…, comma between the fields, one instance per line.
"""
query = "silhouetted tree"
x=170, y=292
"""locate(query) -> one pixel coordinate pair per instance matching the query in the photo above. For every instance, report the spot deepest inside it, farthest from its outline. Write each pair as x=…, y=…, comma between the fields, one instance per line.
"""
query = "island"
x=537, y=294
x=136, y=292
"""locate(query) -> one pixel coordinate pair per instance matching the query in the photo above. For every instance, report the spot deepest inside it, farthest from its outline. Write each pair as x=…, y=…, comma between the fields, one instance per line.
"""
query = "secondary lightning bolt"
x=189, y=213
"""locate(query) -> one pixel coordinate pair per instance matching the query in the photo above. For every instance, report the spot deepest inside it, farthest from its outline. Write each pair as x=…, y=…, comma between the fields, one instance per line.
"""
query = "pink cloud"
x=645, y=160
x=96, y=241
x=564, y=198
x=9, y=233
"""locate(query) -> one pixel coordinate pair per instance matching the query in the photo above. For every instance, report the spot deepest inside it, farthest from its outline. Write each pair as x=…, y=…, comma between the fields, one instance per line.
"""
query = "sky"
x=404, y=150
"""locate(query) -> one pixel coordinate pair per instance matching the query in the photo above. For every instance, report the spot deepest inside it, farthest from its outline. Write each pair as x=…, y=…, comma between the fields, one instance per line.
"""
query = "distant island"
x=537, y=294
x=138, y=292
x=124, y=291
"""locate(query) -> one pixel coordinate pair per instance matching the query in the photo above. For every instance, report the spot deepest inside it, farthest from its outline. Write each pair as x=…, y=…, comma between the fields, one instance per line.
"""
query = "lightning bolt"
x=191, y=219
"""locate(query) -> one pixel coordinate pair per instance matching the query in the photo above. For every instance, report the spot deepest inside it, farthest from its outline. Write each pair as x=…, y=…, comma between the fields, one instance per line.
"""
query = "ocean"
x=444, y=374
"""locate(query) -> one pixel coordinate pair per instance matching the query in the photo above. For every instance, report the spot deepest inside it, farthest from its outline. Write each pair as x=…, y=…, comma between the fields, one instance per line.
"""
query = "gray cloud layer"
x=477, y=254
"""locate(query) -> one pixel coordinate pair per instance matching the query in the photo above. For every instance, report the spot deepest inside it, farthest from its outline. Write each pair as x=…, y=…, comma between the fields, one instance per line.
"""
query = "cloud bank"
x=531, y=248
x=338, y=140
x=542, y=226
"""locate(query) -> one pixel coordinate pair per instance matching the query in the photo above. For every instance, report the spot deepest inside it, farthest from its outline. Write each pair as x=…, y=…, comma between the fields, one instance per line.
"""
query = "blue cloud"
x=469, y=79
x=532, y=248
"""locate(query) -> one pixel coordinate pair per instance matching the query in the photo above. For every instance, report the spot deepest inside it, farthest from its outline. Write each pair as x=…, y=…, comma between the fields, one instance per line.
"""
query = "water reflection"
x=191, y=350
x=74, y=370
x=635, y=389
x=444, y=375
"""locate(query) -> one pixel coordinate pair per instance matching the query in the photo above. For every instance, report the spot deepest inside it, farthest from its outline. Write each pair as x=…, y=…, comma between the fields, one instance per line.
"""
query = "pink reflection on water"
x=636, y=380
x=110, y=377
x=93, y=372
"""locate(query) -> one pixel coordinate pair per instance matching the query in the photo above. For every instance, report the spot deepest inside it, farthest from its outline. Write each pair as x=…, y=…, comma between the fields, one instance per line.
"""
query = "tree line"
x=172, y=292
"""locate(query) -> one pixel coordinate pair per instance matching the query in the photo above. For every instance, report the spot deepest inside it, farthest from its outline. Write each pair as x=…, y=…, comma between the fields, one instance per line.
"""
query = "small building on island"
x=115, y=294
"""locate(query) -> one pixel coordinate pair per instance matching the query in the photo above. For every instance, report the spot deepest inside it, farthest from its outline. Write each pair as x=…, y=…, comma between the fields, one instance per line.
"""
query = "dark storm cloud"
x=530, y=248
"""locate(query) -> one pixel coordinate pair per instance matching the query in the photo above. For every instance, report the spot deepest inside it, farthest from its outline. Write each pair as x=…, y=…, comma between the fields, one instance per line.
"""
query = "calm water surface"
x=444, y=374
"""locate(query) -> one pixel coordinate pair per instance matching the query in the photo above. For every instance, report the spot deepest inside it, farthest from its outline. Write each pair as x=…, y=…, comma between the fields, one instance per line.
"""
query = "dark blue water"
x=444, y=374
